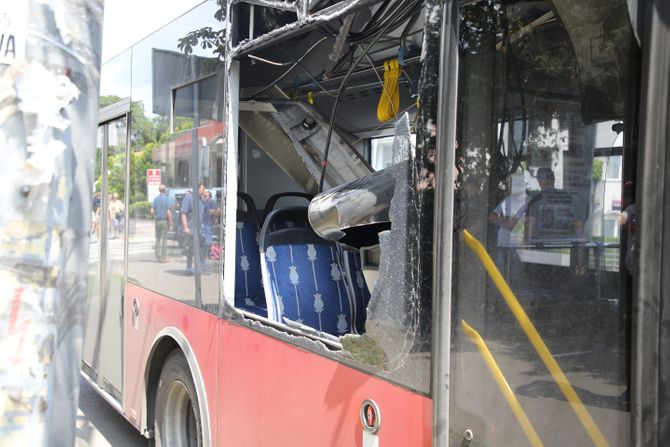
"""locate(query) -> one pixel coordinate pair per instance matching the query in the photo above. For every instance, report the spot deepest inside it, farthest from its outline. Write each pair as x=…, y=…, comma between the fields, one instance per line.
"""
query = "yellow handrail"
x=537, y=342
x=511, y=399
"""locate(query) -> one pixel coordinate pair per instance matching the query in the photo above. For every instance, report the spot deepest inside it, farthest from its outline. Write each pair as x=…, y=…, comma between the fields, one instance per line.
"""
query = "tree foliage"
x=145, y=135
x=207, y=37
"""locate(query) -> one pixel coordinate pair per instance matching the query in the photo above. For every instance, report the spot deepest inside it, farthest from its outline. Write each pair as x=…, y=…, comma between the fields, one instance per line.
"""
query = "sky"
x=128, y=21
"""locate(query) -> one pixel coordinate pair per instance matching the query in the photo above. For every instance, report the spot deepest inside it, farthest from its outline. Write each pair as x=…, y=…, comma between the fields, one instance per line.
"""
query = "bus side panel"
x=160, y=314
x=272, y=393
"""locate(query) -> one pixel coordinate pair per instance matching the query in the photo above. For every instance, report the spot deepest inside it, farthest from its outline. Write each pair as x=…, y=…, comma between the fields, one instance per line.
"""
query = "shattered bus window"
x=349, y=267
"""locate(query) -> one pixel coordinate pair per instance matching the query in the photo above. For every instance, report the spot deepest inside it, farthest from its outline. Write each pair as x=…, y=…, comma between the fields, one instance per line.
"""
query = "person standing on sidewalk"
x=163, y=222
x=193, y=202
x=117, y=214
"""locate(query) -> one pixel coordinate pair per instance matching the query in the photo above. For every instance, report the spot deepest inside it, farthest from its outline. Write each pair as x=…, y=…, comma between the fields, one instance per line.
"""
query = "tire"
x=177, y=422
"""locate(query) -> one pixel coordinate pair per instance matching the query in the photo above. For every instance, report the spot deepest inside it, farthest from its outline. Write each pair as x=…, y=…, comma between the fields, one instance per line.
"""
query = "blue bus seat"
x=249, y=293
x=304, y=277
x=358, y=288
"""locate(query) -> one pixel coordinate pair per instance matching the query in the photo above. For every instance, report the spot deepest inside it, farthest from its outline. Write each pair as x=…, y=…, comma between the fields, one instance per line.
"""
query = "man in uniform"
x=163, y=223
x=193, y=235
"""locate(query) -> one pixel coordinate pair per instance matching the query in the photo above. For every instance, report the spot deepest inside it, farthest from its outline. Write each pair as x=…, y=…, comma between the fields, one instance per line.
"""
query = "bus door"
x=103, y=340
x=534, y=322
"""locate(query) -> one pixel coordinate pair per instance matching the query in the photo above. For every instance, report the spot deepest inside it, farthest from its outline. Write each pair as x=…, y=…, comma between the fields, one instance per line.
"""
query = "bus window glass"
x=544, y=97
x=115, y=79
x=352, y=270
x=116, y=200
x=176, y=159
x=107, y=263
x=381, y=152
x=99, y=224
x=613, y=165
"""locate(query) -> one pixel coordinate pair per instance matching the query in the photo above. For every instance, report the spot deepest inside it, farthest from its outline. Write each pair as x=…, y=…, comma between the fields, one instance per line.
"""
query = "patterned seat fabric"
x=249, y=293
x=357, y=286
x=305, y=279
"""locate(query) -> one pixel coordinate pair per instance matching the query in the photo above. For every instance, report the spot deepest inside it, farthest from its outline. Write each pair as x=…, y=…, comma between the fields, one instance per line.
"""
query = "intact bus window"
x=166, y=81
x=381, y=151
x=195, y=104
x=539, y=224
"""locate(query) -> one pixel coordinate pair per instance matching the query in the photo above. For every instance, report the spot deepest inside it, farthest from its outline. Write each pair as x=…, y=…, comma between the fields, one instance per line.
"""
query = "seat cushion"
x=307, y=286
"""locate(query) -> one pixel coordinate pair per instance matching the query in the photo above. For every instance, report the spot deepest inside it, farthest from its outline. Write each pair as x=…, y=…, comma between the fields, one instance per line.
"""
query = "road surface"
x=99, y=425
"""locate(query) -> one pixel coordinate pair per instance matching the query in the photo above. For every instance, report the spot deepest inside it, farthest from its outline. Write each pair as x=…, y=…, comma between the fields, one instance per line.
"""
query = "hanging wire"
x=267, y=61
x=311, y=76
x=324, y=162
x=282, y=76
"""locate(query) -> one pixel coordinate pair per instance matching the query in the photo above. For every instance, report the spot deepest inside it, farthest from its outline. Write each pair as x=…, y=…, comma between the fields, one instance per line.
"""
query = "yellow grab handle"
x=506, y=390
x=389, y=102
x=537, y=342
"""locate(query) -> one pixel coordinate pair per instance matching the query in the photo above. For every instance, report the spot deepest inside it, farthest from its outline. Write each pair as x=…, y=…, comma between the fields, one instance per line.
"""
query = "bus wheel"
x=177, y=412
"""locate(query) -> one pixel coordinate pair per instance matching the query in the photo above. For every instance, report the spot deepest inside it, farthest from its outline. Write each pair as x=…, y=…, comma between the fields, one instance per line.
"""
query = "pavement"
x=99, y=425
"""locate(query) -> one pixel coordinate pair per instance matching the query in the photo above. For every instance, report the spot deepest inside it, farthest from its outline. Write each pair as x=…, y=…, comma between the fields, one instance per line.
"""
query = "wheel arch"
x=166, y=341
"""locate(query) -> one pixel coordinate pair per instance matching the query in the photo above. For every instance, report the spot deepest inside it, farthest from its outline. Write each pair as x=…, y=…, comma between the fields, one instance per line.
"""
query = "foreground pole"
x=49, y=75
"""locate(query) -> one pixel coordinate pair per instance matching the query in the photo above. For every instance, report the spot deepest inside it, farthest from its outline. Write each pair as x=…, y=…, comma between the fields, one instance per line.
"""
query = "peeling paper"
x=38, y=92
x=25, y=357
x=42, y=163
x=45, y=94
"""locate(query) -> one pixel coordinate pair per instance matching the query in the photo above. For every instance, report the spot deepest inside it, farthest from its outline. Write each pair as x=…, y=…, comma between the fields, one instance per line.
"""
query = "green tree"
x=145, y=135
x=597, y=173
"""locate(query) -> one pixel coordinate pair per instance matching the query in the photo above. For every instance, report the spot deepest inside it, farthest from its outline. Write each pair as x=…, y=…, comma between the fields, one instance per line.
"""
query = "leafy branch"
x=207, y=37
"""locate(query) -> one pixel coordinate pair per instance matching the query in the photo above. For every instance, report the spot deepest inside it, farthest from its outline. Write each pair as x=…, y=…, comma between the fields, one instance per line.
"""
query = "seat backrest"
x=249, y=293
x=353, y=273
x=303, y=276
x=272, y=201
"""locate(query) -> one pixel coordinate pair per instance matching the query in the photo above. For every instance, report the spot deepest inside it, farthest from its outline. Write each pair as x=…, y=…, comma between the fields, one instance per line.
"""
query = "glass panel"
x=607, y=200
x=115, y=79
x=98, y=228
x=180, y=161
x=381, y=153
x=116, y=214
x=103, y=340
x=540, y=188
x=613, y=168
x=202, y=93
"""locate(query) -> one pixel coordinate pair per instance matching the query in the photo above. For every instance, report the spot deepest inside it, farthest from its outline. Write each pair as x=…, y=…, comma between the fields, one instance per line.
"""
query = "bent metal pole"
x=49, y=76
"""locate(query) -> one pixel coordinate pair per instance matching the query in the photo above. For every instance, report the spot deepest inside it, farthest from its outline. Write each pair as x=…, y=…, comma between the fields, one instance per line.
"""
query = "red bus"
x=386, y=223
